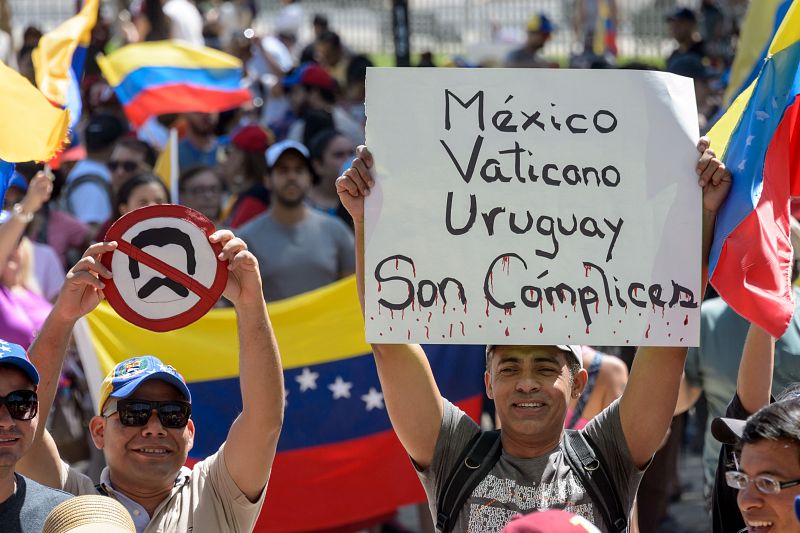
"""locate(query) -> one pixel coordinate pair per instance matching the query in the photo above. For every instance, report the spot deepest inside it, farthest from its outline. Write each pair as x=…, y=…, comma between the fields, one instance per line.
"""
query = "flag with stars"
x=759, y=136
x=339, y=461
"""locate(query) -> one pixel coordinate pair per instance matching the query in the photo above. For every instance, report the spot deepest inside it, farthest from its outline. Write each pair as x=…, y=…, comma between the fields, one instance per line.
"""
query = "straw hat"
x=86, y=514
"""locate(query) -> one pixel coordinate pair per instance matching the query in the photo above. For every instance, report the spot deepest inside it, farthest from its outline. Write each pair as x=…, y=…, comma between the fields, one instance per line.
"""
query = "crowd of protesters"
x=268, y=172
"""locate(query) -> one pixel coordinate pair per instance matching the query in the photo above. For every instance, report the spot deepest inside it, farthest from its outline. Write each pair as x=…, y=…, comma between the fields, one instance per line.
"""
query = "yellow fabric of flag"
x=52, y=58
x=31, y=128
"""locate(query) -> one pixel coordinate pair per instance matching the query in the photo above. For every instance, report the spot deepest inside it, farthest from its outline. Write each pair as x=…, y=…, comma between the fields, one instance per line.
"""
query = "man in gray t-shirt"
x=299, y=249
x=531, y=387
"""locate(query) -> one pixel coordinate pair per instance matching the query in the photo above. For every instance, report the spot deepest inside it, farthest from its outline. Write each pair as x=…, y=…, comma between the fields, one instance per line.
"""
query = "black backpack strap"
x=590, y=467
x=479, y=456
x=101, y=490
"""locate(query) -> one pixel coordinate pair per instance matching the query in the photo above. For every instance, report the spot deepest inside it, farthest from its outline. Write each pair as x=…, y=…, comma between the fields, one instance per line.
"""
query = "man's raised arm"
x=80, y=294
x=647, y=406
x=412, y=397
x=253, y=437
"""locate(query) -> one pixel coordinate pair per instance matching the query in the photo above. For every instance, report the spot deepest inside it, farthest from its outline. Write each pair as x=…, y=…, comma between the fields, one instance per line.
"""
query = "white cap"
x=275, y=151
x=571, y=349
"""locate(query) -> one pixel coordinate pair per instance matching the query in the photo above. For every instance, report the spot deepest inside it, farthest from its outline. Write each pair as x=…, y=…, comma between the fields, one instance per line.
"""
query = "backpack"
x=69, y=187
x=483, y=451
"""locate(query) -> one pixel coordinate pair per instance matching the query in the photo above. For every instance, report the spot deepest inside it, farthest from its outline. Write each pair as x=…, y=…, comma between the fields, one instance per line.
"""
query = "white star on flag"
x=762, y=115
x=5, y=348
x=285, y=396
x=340, y=388
x=741, y=165
x=750, y=140
x=373, y=399
x=307, y=380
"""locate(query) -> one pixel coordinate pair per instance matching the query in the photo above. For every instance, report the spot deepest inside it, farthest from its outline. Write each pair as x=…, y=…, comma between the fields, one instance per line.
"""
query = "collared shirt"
x=204, y=499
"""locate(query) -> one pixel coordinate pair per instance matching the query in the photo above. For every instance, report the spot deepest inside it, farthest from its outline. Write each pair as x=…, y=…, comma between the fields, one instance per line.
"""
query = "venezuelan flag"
x=31, y=128
x=605, y=34
x=6, y=171
x=59, y=59
x=751, y=257
x=339, y=461
x=154, y=78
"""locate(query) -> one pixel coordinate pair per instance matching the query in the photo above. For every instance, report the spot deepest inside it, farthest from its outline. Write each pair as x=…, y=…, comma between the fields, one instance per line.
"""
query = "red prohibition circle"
x=208, y=295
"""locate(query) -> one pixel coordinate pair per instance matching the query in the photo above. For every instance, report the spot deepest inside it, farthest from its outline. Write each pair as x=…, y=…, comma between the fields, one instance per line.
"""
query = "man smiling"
x=534, y=466
x=24, y=504
x=144, y=427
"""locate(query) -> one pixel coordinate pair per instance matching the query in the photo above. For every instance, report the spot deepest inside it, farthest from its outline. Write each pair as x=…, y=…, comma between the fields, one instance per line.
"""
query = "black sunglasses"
x=21, y=404
x=135, y=413
x=127, y=166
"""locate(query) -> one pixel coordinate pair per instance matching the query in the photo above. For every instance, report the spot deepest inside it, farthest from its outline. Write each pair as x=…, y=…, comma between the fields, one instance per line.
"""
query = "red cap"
x=550, y=521
x=311, y=74
x=253, y=138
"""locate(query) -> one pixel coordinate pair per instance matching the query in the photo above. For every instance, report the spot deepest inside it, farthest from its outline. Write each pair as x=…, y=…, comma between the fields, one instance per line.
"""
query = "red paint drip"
x=541, y=328
x=647, y=333
x=462, y=329
x=507, y=312
x=487, y=306
x=379, y=286
x=491, y=280
x=427, y=333
x=507, y=332
x=430, y=314
x=597, y=307
x=587, y=330
x=397, y=264
x=451, y=331
x=587, y=270
x=686, y=320
x=409, y=334
x=391, y=313
x=465, y=308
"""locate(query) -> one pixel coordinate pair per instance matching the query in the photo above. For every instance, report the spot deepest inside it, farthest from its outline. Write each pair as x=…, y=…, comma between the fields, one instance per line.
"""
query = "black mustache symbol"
x=152, y=286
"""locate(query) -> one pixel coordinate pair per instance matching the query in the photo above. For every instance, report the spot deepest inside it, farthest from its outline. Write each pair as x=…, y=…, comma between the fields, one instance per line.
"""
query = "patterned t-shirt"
x=520, y=486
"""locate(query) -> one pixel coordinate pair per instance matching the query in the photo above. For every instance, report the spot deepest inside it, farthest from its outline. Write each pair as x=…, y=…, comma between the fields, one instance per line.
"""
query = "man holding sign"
x=531, y=387
x=144, y=427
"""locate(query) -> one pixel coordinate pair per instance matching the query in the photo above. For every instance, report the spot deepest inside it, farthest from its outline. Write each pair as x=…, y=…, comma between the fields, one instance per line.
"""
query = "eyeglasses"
x=764, y=484
x=135, y=413
x=127, y=166
x=21, y=404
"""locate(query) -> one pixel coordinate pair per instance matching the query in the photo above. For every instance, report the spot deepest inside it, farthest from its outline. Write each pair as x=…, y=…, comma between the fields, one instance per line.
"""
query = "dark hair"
x=776, y=421
x=316, y=121
x=141, y=147
x=127, y=188
x=192, y=172
x=254, y=166
x=573, y=366
x=332, y=38
x=160, y=25
x=320, y=142
x=320, y=20
x=791, y=391
x=357, y=68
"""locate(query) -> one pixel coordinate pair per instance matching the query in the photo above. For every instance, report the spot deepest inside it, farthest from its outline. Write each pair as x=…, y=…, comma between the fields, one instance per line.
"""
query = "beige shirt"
x=204, y=499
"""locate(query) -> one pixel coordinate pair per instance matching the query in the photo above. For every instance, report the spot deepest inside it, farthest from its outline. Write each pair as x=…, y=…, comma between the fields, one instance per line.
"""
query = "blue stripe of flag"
x=153, y=77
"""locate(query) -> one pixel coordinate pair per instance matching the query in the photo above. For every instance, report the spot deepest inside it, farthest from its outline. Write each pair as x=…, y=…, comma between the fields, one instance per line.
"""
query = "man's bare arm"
x=412, y=397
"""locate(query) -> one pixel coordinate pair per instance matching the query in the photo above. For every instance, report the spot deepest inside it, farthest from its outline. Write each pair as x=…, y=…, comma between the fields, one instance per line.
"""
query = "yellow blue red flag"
x=154, y=78
x=759, y=136
x=337, y=448
x=59, y=58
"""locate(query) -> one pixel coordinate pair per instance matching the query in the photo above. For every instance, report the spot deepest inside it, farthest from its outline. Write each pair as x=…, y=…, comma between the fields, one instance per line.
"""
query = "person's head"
x=201, y=190
x=357, y=78
x=682, y=24
x=89, y=513
x=310, y=86
x=289, y=177
x=102, y=131
x=767, y=467
x=320, y=24
x=18, y=404
x=540, y=29
x=144, y=427
x=202, y=124
x=328, y=48
x=141, y=190
x=129, y=157
x=245, y=163
x=532, y=387
x=15, y=192
x=330, y=150
x=692, y=66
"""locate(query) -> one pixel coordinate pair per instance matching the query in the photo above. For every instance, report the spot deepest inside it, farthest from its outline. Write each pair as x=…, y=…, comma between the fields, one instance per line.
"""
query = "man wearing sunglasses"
x=24, y=504
x=144, y=426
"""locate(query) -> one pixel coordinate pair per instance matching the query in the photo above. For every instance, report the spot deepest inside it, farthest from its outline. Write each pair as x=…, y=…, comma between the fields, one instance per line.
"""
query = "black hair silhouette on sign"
x=162, y=237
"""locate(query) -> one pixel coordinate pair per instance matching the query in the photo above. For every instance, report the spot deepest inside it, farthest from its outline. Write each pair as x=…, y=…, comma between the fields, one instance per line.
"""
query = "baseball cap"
x=312, y=75
x=126, y=377
x=549, y=521
x=14, y=355
x=252, y=138
x=682, y=13
x=539, y=22
x=727, y=430
x=573, y=350
x=18, y=180
x=275, y=151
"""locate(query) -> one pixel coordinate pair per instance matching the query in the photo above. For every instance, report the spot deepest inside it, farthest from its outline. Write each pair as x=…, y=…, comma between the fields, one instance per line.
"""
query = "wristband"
x=20, y=214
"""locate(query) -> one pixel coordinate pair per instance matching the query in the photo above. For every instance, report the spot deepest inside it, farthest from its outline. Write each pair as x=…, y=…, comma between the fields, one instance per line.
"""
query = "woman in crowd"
x=330, y=151
x=201, y=189
x=140, y=191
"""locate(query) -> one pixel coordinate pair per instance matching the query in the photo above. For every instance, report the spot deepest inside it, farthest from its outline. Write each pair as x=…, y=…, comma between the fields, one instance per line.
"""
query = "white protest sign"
x=517, y=206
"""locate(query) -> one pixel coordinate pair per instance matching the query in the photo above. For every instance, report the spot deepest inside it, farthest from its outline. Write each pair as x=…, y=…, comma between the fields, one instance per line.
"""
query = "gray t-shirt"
x=26, y=510
x=301, y=257
x=520, y=486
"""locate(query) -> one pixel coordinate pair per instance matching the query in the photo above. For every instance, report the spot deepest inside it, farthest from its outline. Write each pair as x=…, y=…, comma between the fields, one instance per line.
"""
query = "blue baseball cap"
x=14, y=355
x=18, y=180
x=126, y=377
x=541, y=23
